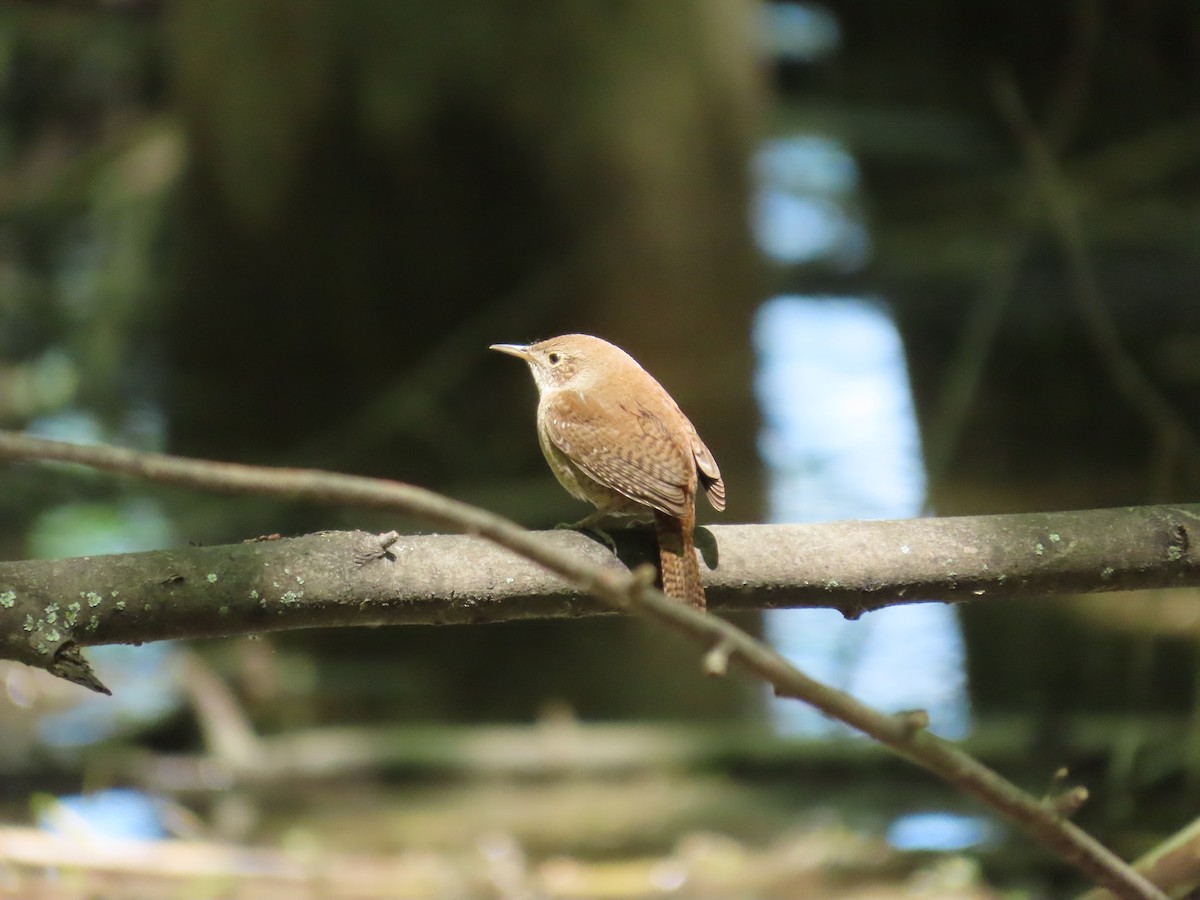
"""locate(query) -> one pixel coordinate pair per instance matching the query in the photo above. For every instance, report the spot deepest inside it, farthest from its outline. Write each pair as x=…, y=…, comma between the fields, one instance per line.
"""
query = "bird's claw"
x=586, y=526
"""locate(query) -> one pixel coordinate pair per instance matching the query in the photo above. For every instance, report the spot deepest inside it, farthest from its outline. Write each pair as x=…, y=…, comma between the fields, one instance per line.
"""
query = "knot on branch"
x=373, y=547
x=69, y=664
x=716, y=660
x=1068, y=802
x=912, y=720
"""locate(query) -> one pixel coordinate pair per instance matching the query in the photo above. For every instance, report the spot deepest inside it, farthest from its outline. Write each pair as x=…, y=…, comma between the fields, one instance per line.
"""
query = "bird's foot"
x=588, y=524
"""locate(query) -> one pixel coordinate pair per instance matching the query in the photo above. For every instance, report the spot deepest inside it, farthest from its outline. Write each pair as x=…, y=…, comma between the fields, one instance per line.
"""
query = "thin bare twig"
x=626, y=591
x=1172, y=430
x=1174, y=865
x=967, y=365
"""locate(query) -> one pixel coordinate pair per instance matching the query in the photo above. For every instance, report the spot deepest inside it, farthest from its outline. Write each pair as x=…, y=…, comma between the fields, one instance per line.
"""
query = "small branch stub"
x=375, y=547
x=70, y=664
x=716, y=660
x=1069, y=802
x=913, y=720
x=645, y=574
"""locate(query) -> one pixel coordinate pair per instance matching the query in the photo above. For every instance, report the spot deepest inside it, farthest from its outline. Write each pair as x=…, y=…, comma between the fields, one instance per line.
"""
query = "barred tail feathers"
x=677, y=559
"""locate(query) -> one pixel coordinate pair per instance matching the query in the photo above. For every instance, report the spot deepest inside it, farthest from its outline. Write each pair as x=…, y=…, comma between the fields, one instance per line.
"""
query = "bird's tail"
x=677, y=558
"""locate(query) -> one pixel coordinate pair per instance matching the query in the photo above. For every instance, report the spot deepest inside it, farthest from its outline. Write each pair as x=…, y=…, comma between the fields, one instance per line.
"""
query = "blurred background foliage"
x=286, y=233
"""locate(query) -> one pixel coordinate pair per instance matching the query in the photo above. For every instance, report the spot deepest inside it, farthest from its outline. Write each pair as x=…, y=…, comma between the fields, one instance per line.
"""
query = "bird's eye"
x=554, y=358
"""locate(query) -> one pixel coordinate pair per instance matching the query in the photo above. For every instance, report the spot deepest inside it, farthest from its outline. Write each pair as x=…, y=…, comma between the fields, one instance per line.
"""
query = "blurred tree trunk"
x=1021, y=406
x=379, y=190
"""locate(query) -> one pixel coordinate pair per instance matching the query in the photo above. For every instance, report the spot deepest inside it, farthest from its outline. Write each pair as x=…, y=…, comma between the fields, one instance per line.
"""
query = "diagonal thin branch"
x=631, y=592
x=1174, y=865
x=1172, y=429
x=985, y=313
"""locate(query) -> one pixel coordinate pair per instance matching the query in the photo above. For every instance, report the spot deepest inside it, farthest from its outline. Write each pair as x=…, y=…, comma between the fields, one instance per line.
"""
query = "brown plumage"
x=615, y=438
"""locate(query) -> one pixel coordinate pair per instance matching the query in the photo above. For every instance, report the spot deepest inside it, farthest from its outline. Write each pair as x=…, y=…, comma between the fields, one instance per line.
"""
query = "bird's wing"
x=710, y=475
x=625, y=447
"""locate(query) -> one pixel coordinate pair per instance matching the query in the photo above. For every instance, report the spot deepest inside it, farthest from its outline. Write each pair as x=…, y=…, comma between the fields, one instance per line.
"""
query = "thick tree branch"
x=354, y=578
x=624, y=591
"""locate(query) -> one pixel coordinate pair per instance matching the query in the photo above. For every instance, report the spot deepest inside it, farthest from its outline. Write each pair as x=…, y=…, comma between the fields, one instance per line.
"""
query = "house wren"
x=614, y=437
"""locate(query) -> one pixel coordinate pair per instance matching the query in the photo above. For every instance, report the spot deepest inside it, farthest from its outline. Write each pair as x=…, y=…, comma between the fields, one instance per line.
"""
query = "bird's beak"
x=521, y=351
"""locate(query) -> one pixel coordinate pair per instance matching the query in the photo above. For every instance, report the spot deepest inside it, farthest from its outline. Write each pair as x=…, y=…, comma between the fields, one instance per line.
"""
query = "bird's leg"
x=590, y=524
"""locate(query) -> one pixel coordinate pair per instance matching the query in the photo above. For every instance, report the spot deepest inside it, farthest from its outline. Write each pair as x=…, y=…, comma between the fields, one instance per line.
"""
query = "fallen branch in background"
x=623, y=590
x=39, y=864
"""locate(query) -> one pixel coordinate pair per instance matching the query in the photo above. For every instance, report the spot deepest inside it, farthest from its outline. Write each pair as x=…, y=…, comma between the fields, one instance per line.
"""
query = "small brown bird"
x=614, y=437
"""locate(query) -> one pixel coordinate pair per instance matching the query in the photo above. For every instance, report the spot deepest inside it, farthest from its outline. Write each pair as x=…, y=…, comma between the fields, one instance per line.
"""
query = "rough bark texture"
x=48, y=608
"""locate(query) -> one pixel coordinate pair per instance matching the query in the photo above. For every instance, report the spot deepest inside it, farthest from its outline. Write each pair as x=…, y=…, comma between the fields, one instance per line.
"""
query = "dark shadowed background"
x=892, y=259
